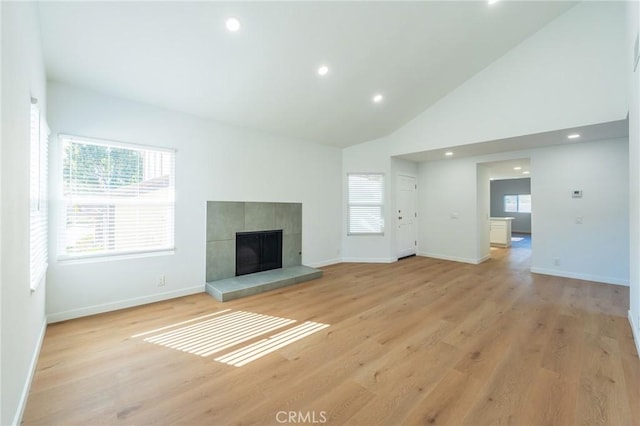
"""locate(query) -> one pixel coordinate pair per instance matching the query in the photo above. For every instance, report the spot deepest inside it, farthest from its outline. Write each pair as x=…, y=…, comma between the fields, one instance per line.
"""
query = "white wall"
x=633, y=27
x=373, y=157
x=567, y=74
x=23, y=312
x=483, y=203
x=597, y=249
x=1, y=278
x=447, y=208
x=213, y=162
x=369, y=157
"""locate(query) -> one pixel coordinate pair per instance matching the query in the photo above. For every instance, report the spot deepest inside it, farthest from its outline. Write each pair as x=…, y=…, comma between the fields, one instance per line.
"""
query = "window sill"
x=69, y=260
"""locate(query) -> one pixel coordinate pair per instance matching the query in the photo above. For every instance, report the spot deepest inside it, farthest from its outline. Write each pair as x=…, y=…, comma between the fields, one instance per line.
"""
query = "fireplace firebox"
x=258, y=251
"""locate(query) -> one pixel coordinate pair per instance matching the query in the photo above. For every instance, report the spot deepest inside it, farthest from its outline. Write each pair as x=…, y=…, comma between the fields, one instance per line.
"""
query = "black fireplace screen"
x=258, y=251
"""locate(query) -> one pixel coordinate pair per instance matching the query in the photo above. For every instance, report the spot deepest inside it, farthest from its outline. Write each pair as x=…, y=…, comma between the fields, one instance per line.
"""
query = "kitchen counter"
x=500, y=234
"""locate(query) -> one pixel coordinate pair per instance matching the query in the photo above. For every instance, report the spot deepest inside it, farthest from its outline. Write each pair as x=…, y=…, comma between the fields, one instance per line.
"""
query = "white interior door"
x=406, y=215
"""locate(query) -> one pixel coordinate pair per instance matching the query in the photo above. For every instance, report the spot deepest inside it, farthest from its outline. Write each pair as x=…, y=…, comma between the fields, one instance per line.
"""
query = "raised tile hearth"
x=227, y=260
x=248, y=285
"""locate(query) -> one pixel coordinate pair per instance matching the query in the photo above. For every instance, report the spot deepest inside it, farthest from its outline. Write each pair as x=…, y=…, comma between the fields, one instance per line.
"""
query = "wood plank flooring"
x=420, y=341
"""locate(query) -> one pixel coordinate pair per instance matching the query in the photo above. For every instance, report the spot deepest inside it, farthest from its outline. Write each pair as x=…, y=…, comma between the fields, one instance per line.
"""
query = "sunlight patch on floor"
x=179, y=323
x=249, y=353
x=213, y=333
x=217, y=334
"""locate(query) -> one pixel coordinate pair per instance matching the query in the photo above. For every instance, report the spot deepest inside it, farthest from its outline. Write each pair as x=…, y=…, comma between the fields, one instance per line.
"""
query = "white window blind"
x=117, y=198
x=511, y=203
x=366, y=212
x=517, y=203
x=38, y=212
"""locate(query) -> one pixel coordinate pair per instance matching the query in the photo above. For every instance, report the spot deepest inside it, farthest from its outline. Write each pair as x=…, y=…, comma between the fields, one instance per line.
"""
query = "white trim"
x=381, y=205
x=453, y=258
x=324, y=263
x=635, y=330
x=109, y=256
x=111, y=142
x=22, y=403
x=369, y=260
x=122, y=304
x=578, y=276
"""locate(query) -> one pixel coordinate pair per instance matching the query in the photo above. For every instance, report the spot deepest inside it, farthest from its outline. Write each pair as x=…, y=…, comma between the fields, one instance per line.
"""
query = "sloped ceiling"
x=178, y=55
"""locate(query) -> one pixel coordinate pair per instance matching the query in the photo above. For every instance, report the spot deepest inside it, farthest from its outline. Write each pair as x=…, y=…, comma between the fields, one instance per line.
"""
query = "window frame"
x=106, y=255
x=379, y=205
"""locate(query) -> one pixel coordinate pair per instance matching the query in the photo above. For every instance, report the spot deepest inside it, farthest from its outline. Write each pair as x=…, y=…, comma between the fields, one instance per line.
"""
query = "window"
x=38, y=211
x=524, y=203
x=517, y=203
x=366, y=214
x=117, y=198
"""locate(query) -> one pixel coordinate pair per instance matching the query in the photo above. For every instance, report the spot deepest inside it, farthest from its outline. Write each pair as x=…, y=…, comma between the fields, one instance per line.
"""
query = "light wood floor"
x=420, y=341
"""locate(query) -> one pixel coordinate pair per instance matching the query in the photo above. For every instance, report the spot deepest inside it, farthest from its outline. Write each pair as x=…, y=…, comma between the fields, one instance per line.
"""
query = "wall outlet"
x=556, y=261
x=161, y=281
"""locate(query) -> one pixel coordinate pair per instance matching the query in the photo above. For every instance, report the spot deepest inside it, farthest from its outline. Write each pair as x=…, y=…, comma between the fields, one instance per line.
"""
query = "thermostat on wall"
x=576, y=193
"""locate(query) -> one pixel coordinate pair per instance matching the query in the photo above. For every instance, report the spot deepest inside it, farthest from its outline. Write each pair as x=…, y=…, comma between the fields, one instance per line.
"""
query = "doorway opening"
x=510, y=209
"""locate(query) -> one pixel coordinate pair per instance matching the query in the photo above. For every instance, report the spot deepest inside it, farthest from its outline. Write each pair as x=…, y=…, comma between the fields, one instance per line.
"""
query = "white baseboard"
x=369, y=259
x=113, y=306
x=32, y=370
x=452, y=258
x=324, y=263
x=635, y=331
x=577, y=276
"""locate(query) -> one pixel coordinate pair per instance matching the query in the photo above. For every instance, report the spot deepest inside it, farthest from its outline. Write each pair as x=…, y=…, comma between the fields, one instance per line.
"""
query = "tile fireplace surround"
x=225, y=218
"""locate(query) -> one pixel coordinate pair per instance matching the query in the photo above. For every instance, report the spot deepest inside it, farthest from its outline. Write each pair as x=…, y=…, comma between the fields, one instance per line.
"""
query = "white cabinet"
x=500, y=234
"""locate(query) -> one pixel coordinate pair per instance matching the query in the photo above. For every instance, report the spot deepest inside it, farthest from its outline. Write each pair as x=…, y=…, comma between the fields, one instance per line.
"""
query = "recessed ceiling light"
x=492, y=2
x=526, y=172
x=377, y=98
x=232, y=24
x=448, y=153
x=323, y=70
x=573, y=136
x=517, y=168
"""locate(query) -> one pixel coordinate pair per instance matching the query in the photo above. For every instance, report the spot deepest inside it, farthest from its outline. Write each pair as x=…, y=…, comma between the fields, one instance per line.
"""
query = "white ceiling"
x=505, y=169
x=178, y=55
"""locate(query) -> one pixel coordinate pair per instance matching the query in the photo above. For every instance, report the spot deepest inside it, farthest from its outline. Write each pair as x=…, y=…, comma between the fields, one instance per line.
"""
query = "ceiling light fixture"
x=492, y=2
x=377, y=98
x=573, y=136
x=526, y=172
x=323, y=70
x=517, y=168
x=448, y=153
x=232, y=24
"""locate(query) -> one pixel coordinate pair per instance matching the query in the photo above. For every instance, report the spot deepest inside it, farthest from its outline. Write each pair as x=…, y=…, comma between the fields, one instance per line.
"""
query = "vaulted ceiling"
x=180, y=56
